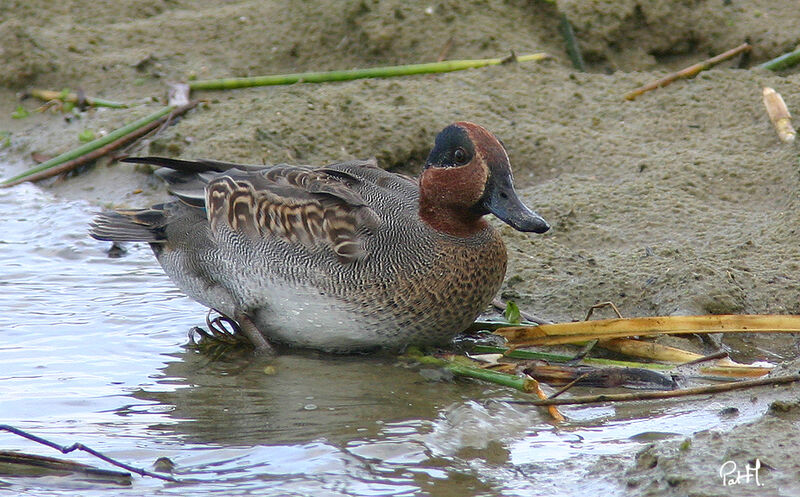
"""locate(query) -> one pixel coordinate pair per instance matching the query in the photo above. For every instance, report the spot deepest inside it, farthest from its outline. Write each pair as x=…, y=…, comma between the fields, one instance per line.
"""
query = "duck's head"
x=468, y=175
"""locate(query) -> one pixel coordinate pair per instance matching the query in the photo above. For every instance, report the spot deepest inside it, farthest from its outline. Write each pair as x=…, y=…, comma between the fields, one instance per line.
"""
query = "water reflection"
x=305, y=398
x=366, y=424
x=370, y=424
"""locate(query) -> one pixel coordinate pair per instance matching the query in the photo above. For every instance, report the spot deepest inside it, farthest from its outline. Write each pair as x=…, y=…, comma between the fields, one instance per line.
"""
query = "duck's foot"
x=221, y=335
x=226, y=332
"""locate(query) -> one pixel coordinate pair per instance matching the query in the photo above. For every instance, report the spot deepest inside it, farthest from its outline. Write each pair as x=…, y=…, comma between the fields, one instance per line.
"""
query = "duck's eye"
x=460, y=156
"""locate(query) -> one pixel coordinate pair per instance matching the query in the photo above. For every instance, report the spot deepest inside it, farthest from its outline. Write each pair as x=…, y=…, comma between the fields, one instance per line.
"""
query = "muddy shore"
x=681, y=202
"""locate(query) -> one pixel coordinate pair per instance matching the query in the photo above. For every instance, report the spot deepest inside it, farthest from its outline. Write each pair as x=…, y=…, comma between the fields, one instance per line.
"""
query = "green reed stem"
x=351, y=74
x=65, y=96
x=783, y=62
x=92, y=145
x=460, y=367
x=573, y=49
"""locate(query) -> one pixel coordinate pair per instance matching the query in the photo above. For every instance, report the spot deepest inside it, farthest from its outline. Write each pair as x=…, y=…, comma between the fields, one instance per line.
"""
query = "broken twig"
x=568, y=385
x=688, y=72
x=21, y=464
x=74, y=98
x=712, y=357
x=553, y=410
x=64, y=449
x=627, y=397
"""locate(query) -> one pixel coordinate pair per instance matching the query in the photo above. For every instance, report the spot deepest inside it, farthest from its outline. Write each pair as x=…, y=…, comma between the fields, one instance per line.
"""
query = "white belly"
x=304, y=318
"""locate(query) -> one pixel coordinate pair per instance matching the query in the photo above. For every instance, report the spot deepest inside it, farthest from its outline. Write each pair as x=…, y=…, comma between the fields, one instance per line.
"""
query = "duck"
x=343, y=258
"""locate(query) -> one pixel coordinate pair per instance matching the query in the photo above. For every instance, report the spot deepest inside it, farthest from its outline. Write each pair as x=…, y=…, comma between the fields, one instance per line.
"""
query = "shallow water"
x=92, y=351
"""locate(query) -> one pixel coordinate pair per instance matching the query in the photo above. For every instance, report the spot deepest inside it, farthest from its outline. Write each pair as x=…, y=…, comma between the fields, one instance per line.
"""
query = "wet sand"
x=681, y=202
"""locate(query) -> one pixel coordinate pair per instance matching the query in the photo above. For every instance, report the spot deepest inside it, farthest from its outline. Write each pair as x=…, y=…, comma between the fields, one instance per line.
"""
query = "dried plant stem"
x=21, y=464
x=348, y=75
x=553, y=410
x=546, y=356
x=85, y=149
x=779, y=114
x=688, y=72
x=581, y=331
x=658, y=352
x=569, y=385
x=97, y=153
x=48, y=95
x=648, y=350
x=627, y=397
x=711, y=357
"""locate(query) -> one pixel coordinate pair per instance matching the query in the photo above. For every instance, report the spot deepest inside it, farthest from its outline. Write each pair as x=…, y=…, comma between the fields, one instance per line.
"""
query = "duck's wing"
x=318, y=208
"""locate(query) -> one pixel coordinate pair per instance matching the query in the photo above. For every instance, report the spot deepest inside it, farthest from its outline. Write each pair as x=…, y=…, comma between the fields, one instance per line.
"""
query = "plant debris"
x=688, y=72
x=779, y=115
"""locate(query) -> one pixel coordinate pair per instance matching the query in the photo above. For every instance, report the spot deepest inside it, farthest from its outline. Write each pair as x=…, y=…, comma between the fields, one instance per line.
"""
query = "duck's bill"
x=504, y=203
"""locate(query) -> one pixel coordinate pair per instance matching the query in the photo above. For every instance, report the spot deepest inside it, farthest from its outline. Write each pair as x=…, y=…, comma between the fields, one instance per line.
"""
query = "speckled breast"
x=432, y=303
x=465, y=278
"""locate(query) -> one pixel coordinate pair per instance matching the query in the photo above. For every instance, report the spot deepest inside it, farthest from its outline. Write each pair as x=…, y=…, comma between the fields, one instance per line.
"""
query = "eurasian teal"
x=343, y=258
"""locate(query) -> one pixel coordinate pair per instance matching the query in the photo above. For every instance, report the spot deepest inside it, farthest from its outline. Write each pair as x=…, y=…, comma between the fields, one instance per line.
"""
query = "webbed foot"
x=237, y=332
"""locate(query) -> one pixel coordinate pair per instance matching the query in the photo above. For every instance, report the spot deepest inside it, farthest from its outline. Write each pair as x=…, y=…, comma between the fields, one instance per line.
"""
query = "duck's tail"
x=147, y=225
x=133, y=225
x=187, y=181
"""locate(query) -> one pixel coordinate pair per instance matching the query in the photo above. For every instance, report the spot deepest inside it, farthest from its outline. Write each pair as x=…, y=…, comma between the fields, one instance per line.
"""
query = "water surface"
x=92, y=350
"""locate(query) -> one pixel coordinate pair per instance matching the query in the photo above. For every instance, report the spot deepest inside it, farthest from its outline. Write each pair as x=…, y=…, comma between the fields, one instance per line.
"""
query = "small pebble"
x=164, y=465
x=783, y=406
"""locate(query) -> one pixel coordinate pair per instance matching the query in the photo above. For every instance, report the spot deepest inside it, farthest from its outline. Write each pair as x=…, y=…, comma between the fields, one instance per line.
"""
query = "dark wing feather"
x=319, y=208
x=187, y=179
x=185, y=166
x=301, y=205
